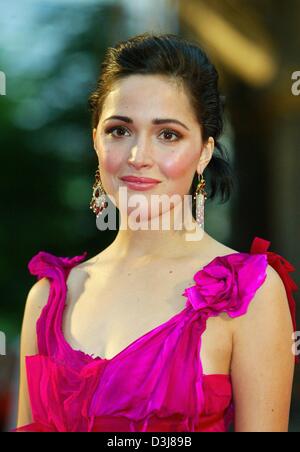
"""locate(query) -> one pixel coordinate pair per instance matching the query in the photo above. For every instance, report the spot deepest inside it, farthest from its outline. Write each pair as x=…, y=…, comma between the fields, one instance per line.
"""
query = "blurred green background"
x=51, y=52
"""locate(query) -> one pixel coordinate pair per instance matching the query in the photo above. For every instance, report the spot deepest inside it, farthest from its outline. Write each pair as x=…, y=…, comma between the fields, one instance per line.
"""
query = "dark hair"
x=185, y=61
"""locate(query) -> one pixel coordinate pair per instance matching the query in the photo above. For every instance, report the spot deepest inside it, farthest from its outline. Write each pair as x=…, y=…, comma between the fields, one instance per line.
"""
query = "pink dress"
x=156, y=383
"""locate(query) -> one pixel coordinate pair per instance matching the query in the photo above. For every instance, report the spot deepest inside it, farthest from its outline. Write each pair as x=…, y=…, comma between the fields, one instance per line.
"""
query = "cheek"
x=177, y=165
x=111, y=161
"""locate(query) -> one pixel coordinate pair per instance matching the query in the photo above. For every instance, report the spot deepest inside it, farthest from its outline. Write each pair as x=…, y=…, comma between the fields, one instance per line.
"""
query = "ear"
x=94, y=137
x=94, y=133
x=206, y=155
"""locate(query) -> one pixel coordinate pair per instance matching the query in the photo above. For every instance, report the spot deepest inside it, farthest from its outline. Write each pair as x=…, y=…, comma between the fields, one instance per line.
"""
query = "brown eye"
x=112, y=129
x=167, y=133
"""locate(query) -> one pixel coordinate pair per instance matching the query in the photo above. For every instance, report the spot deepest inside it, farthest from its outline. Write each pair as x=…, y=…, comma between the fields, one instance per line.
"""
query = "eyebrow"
x=154, y=121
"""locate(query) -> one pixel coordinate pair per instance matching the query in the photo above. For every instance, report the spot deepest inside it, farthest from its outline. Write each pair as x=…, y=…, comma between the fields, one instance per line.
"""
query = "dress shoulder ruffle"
x=43, y=263
x=229, y=283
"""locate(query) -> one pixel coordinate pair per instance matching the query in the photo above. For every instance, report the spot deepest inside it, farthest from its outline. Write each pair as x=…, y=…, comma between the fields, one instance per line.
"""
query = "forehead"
x=153, y=95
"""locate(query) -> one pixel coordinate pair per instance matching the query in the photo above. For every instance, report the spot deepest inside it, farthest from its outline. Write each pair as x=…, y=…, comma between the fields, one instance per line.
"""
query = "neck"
x=172, y=237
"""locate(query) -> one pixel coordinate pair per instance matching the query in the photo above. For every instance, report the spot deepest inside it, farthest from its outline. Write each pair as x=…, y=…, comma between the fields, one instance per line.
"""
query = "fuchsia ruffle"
x=157, y=382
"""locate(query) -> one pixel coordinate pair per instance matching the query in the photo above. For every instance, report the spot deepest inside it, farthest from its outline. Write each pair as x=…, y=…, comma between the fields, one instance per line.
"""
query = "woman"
x=160, y=332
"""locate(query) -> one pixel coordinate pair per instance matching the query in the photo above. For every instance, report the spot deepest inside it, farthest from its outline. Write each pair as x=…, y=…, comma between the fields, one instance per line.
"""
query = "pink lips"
x=142, y=180
x=140, y=183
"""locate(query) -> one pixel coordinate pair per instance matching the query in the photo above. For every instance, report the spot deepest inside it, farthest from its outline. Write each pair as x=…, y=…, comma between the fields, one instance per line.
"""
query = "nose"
x=139, y=156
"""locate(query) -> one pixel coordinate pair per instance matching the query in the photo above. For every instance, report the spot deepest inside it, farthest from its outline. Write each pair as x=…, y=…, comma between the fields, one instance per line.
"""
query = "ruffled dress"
x=157, y=382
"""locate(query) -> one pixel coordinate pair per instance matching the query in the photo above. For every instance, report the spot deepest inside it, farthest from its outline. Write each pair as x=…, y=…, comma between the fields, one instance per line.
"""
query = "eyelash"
x=111, y=129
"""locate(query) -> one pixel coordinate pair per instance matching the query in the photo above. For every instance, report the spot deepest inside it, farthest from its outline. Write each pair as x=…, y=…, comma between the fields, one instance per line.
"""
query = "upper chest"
x=109, y=306
x=112, y=296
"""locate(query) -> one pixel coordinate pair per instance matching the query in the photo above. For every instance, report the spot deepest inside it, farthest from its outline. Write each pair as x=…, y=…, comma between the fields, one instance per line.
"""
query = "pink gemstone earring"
x=98, y=202
x=200, y=197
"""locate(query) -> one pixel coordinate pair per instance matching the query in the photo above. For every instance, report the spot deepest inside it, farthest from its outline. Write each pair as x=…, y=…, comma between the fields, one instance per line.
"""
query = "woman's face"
x=135, y=145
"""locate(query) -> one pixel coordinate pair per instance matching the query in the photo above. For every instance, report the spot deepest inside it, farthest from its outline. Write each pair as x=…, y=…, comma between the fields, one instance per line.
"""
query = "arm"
x=262, y=366
x=36, y=299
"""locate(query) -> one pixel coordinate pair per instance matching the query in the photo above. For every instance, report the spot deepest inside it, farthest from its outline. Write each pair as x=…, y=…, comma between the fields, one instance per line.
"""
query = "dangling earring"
x=98, y=202
x=200, y=197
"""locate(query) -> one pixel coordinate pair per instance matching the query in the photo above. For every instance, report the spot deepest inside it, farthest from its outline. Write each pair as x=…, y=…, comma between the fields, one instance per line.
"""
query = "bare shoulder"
x=37, y=296
x=268, y=306
x=262, y=364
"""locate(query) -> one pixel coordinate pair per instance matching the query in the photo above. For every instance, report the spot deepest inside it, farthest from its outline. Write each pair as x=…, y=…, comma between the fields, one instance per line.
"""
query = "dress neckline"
x=170, y=320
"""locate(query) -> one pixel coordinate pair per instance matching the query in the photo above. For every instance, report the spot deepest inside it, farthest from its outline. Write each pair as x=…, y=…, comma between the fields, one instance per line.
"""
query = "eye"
x=166, y=132
x=171, y=132
x=112, y=129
